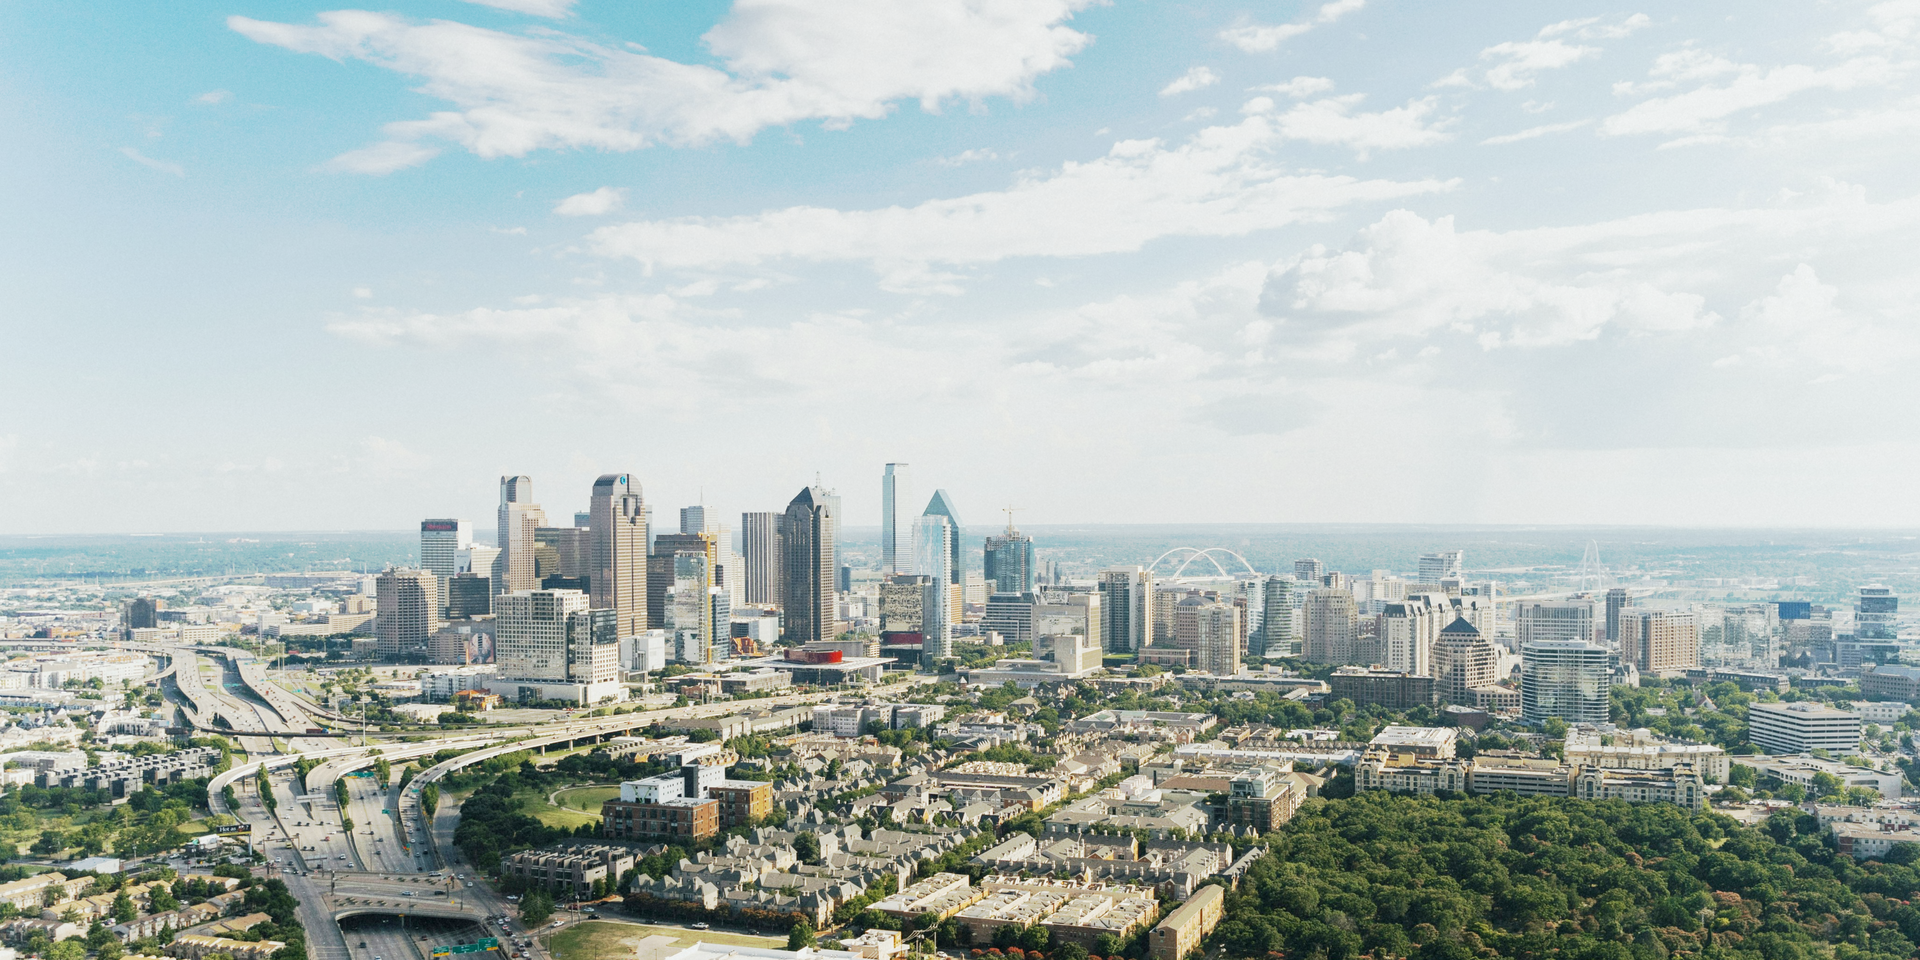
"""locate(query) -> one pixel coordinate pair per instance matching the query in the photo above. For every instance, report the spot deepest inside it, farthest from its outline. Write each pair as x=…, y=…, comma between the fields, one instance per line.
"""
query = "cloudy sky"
x=293, y=266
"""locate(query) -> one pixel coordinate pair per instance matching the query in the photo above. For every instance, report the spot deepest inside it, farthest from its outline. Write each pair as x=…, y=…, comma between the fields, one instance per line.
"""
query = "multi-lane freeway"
x=394, y=881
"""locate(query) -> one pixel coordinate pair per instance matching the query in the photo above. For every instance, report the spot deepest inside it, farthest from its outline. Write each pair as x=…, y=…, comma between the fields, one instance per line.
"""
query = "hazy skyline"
x=297, y=266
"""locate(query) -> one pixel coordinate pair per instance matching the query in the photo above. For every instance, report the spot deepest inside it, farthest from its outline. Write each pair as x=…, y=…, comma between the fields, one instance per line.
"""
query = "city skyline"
x=1584, y=247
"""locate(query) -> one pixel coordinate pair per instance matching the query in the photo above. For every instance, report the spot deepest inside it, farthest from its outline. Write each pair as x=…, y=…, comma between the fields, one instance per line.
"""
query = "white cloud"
x=1260, y=38
x=214, y=96
x=555, y=9
x=1698, y=109
x=384, y=157
x=786, y=61
x=602, y=201
x=1801, y=326
x=1533, y=132
x=1514, y=65
x=1298, y=87
x=363, y=293
x=1407, y=277
x=964, y=157
x=1197, y=78
x=152, y=164
x=1219, y=182
x=1333, y=122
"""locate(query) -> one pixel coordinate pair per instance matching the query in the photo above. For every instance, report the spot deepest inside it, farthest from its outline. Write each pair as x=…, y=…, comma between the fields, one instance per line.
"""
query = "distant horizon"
x=874, y=529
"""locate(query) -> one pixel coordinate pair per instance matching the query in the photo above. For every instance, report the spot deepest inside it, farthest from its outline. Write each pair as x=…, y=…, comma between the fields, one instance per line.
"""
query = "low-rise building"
x=572, y=868
x=941, y=895
x=1639, y=750
x=1262, y=798
x=1802, y=726
x=1393, y=689
x=193, y=946
x=755, y=681
x=1147, y=724
x=1183, y=929
x=1891, y=681
x=1404, y=773
x=1802, y=769
x=742, y=802
x=1426, y=743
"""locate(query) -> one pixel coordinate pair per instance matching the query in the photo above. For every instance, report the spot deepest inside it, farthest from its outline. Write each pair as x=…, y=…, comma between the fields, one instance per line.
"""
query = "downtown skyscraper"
x=896, y=519
x=617, y=532
x=808, y=599
x=760, y=547
x=441, y=542
x=1009, y=561
x=519, y=519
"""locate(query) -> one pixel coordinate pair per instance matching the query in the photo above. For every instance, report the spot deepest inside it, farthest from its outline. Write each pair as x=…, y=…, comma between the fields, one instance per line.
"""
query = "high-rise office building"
x=1126, y=605
x=1309, y=570
x=1332, y=625
x=1617, y=601
x=519, y=517
x=1076, y=614
x=1275, y=636
x=941, y=505
x=1446, y=565
x=932, y=553
x=660, y=571
x=694, y=520
x=902, y=605
x=549, y=644
x=689, y=605
x=469, y=595
x=407, y=612
x=1876, y=610
x=1407, y=630
x=593, y=650
x=563, y=552
x=760, y=546
x=440, y=544
x=896, y=518
x=1552, y=620
x=583, y=519
x=808, y=568
x=1569, y=679
x=1220, y=645
x=530, y=633
x=1463, y=660
x=1659, y=643
x=1010, y=615
x=142, y=613
x=617, y=531
x=1009, y=562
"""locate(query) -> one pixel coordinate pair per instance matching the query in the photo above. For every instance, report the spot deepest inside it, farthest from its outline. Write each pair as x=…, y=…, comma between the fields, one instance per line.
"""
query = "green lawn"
x=610, y=940
x=586, y=799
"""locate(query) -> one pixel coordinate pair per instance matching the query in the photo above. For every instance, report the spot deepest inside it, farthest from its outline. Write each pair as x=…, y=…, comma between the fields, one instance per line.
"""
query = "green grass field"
x=610, y=940
x=585, y=799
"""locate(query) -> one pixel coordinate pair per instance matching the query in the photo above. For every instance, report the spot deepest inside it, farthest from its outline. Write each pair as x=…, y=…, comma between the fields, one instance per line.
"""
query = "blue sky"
x=294, y=266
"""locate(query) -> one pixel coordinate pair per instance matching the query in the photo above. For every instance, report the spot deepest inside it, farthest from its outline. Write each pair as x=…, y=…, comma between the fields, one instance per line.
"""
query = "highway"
x=355, y=887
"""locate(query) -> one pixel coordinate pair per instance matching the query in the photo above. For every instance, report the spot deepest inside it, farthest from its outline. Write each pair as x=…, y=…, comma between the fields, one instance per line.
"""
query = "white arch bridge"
x=1195, y=553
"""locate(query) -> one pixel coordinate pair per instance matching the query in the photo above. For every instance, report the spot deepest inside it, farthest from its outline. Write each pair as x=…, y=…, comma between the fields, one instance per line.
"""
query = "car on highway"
x=695, y=926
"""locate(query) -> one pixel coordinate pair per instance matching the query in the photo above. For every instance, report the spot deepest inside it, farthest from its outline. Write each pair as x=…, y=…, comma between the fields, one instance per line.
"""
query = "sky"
x=298, y=266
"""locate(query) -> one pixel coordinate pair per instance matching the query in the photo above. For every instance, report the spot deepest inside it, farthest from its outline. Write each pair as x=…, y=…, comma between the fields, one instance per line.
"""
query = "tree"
x=807, y=847
x=50, y=843
x=536, y=907
x=71, y=948
x=160, y=899
x=801, y=936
